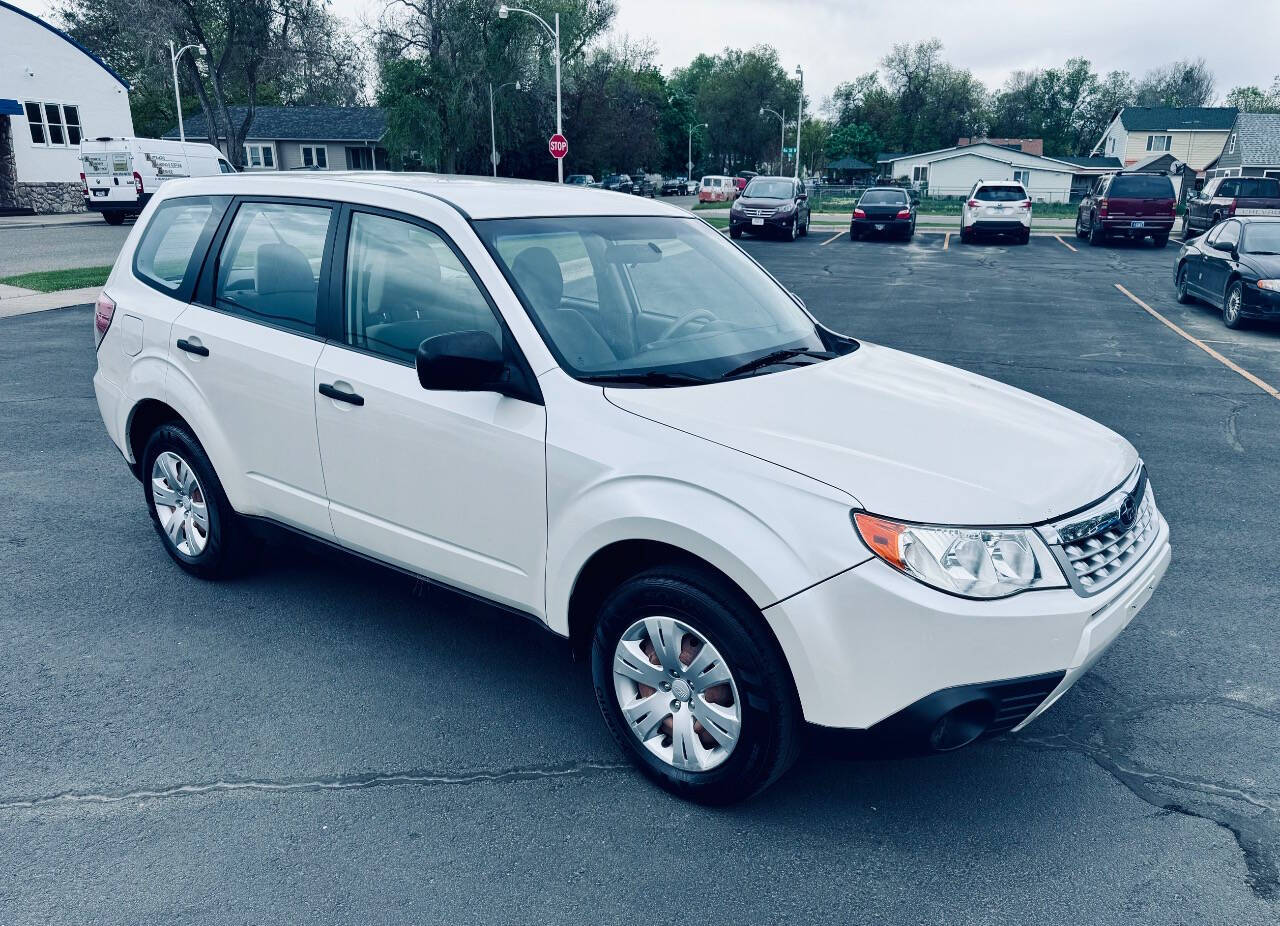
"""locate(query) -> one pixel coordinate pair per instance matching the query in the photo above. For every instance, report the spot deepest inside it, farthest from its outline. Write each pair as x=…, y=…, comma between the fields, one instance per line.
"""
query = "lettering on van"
x=166, y=166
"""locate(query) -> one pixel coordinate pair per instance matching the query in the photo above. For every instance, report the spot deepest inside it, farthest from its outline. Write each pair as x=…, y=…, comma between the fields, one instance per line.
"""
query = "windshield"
x=770, y=189
x=1262, y=237
x=650, y=296
x=883, y=198
x=1000, y=194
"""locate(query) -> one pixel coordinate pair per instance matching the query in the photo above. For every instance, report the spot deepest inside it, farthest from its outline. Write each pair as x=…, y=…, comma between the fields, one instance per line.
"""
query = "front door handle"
x=198, y=349
x=330, y=391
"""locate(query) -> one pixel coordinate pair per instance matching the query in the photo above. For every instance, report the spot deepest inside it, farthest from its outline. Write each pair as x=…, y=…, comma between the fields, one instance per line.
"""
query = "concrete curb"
x=43, y=302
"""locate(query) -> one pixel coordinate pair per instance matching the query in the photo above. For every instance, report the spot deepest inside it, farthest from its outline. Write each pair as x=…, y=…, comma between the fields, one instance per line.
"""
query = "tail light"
x=859, y=213
x=137, y=182
x=1173, y=207
x=103, y=311
x=1102, y=208
x=904, y=213
x=972, y=204
x=1231, y=210
x=1026, y=204
x=84, y=186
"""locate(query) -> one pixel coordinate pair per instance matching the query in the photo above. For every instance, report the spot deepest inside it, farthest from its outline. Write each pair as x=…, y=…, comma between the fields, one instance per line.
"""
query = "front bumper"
x=1260, y=303
x=776, y=223
x=871, y=642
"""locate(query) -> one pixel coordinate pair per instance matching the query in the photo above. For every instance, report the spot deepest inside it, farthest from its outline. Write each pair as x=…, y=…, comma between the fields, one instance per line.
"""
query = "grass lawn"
x=51, y=281
x=716, y=221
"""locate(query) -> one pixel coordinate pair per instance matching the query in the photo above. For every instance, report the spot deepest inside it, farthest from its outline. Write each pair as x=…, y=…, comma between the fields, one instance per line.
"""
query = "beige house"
x=1194, y=135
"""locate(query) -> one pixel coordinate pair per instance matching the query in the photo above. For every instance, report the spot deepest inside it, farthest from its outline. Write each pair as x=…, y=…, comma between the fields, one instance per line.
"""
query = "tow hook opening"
x=962, y=725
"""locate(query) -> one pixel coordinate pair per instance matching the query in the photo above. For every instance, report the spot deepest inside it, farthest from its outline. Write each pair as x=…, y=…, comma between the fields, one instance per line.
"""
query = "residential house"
x=53, y=92
x=305, y=137
x=1194, y=135
x=1087, y=170
x=1025, y=145
x=953, y=171
x=1252, y=148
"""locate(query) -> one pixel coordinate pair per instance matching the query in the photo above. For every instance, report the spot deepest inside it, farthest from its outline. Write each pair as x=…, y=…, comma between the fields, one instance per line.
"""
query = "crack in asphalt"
x=302, y=785
x=1255, y=837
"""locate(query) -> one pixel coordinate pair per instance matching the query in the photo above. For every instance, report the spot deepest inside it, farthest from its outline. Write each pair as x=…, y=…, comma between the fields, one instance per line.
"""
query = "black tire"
x=1233, y=320
x=1160, y=241
x=1096, y=235
x=804, y=229
x=966, y=236
x=735, y=233
x=1024, y=236
x=1081, y=233
x=772, y=723
x=229, y=546
x=1180, y=286
x=1186, y=225
x=854, y=235
x=113, y=218
x=793, y=230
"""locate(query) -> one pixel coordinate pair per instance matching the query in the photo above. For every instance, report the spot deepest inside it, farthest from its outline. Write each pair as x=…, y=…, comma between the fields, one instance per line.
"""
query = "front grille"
x=758, y=213
x=1097, y=550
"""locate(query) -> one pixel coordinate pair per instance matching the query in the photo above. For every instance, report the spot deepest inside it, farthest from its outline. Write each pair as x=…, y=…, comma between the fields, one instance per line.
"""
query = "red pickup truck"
x=1223, y=197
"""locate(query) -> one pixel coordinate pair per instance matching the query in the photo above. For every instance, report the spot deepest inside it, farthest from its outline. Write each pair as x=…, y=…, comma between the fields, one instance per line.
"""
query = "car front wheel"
x=1184, y=294
x=693, y=687
x=1233, y=305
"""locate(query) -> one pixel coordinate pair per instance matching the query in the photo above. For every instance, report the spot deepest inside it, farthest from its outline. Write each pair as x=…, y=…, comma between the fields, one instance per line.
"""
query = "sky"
x=836, y=40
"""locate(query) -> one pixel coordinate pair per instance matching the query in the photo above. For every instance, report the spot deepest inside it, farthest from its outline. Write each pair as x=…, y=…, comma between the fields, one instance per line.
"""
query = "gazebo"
x=850, y=170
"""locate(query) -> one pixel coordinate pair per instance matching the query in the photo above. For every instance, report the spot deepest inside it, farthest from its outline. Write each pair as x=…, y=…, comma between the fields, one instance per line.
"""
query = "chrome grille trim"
x=758, y=213
x=1095, y=548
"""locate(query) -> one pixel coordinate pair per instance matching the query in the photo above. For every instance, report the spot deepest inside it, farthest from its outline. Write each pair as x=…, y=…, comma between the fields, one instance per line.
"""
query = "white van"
x=121, y=174
x=717, y=188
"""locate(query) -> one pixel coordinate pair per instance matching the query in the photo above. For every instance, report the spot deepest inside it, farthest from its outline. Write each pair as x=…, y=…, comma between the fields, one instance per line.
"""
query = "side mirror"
x=1224, y=246
x=803, y=197
x=461, y=361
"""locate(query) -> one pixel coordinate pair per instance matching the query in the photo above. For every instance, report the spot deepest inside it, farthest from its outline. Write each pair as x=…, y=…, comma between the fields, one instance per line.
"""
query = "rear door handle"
x=330, y=391
x=198, y=349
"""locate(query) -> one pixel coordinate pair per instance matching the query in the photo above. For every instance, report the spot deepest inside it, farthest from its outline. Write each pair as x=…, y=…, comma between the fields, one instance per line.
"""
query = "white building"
x=53, y=92
x=953, y=171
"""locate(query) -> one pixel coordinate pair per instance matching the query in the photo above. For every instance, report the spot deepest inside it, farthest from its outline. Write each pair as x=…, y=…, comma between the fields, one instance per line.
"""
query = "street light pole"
x=493, y=140
x=692, y=129
x=503, y=12
x=782, y=145
x=177, y=95
x=799, y=119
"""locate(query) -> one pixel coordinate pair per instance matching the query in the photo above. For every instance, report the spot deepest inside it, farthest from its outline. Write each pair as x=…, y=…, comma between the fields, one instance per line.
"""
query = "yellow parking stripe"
x=1229, y=364
x=1064, y=244
x=946, y=241
x=839, y=234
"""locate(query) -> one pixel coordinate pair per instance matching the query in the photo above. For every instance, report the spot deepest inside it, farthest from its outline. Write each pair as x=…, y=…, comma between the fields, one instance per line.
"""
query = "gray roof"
x=1184, y=118
x=300, y=123
x=1103, y=162
x=1258, y=139
x=849, y=163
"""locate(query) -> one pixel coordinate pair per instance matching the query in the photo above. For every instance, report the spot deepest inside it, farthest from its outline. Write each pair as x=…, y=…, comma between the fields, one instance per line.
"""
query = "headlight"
x=1273, y=285
x=973, y=562
x=784, y=209
x=736, y=207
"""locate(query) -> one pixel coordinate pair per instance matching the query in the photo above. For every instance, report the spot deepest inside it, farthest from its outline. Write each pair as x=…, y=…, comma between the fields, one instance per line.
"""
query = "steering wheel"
x=687, y=318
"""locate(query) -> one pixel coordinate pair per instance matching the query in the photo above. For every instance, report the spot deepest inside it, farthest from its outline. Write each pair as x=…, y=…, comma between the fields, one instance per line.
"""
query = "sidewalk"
x=50, y=221
x=14, y=300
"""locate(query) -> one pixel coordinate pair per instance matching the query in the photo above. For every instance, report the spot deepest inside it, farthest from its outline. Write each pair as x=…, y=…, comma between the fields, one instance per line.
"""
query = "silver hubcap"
x=180, y=503
x=677, y=694
x=1233, y=304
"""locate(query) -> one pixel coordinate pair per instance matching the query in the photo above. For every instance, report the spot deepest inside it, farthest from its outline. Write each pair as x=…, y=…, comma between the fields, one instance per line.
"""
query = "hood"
x=1266, y=266
x=906, y=437
x=762, y=202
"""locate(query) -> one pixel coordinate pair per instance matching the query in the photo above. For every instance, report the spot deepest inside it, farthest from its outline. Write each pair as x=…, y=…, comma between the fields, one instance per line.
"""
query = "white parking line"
x=1229, y=364
x=1064, y=244
x=839, y=234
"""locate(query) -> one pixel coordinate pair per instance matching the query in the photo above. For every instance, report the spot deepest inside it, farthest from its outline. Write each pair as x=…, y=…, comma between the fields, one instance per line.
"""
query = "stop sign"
x=558, y=145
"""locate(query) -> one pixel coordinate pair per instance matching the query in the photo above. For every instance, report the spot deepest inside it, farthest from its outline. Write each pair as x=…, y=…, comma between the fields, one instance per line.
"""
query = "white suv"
x=596, y=412
x=996, y=207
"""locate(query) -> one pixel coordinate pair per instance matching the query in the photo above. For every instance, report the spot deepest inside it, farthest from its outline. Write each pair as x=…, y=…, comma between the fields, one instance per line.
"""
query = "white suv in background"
x=594, y=411
x=996, y=207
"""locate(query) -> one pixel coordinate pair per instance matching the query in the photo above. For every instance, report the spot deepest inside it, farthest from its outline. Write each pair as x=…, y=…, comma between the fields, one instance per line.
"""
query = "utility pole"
x=800, y=119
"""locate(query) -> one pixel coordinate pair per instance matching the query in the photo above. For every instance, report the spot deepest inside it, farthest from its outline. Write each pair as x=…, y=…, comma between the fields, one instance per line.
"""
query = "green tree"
x=1180, y=83
x=1255, y=100
x=853, y=139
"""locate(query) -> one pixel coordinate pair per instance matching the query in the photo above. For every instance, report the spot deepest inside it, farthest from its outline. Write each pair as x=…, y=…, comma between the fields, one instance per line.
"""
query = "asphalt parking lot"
x=324, y=741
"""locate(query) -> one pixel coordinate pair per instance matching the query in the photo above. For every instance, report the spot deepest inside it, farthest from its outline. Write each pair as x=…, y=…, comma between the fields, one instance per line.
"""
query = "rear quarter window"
x=1260, y=188
x=174, y=242
x=1138, y=186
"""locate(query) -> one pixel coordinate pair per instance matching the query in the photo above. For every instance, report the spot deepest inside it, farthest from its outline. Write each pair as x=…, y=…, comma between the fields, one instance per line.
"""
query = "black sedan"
x=777, y=205
x=1236, y=267
x=886, y=210
x=619, y=183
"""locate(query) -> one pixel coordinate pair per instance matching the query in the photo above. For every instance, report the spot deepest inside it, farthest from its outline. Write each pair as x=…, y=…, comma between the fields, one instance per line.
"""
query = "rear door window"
x=1260, y=188
x=1141, y=186
x=174, y=242
x=269, y=267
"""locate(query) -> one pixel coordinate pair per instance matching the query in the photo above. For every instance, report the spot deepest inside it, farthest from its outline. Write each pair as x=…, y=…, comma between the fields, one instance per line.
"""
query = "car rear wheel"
x=1096, y=235
x=693, y=687
x=1160, y=241
x=1184, y=294
x=1185, y=226
x=113, y=218
x=1024, y=236
x=966, y=236
x=1233, y=305
x=854, y=235
x=189, y=510
x=1081, y=233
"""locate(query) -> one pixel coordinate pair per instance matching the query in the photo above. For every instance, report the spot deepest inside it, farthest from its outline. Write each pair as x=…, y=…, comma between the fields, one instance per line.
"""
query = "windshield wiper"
x=648, y=378
x=777, y=356
x=1265, y=253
